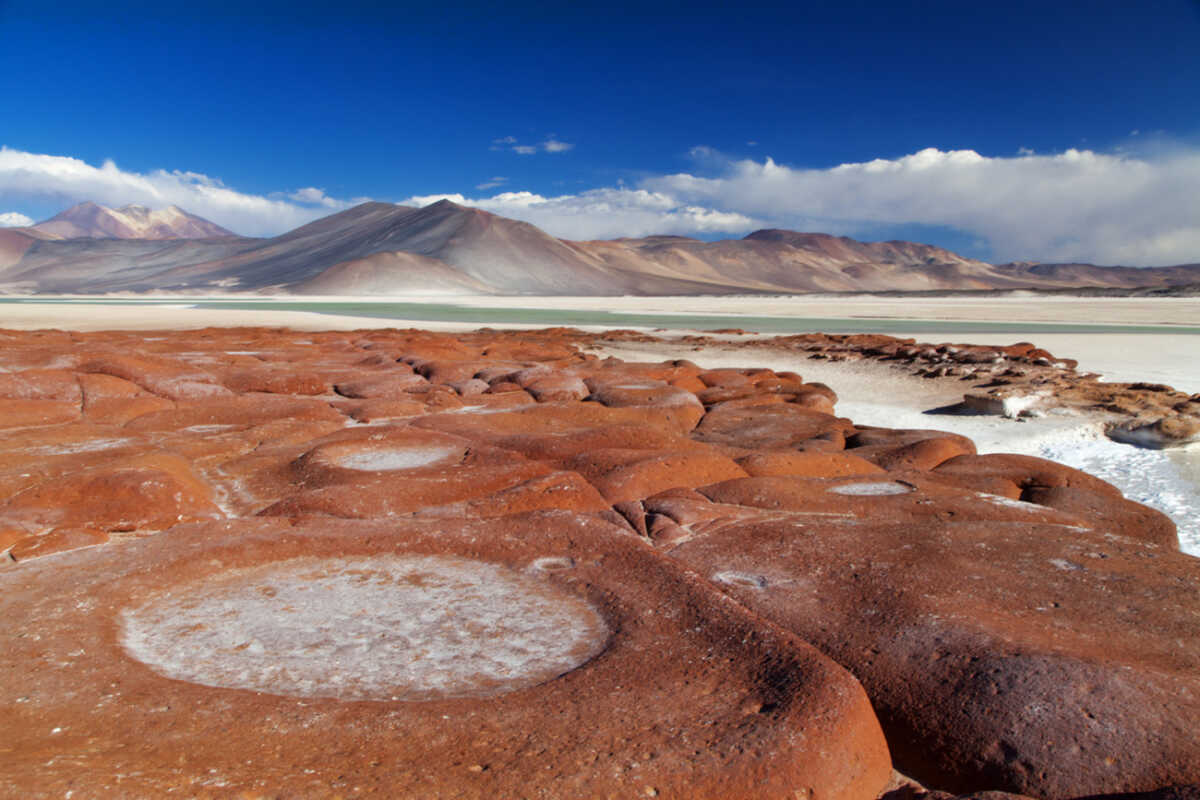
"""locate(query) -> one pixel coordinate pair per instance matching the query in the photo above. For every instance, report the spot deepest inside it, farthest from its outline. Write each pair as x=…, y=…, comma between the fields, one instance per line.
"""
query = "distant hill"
x=93, y=221
x=381, y=249
x=1091, y=275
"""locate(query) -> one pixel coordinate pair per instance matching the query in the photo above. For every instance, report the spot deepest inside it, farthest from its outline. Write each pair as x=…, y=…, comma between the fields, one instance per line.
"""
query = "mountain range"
x=382, y=249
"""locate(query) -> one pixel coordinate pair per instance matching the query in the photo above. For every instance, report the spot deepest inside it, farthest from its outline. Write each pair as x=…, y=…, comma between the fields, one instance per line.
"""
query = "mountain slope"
x=385, y=249
x=93, y=221
x=787, y=261
x=493, y=253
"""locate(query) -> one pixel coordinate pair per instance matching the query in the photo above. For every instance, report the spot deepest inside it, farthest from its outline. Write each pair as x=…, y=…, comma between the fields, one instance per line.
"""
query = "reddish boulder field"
x=262, y=563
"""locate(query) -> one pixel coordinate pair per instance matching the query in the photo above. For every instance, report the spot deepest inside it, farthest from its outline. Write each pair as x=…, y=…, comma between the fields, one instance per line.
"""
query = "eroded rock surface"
x=276, y=555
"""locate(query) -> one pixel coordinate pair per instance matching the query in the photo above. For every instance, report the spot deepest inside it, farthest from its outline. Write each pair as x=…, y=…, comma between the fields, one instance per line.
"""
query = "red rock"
x=740, y=708
x=622, y=475
x=725, y=377
x=684, y=405
x=443, y=371
x=568, y=491
x=388, y=473
x=808, y=464
x=1105, y=512
x=274, y=381
x=108, y=400
x=154, y=491
x=395, y=385
x=556, y=389
x=560, y=448
x=40, y=384
x=913, y=570
x=997, y=654
x=54, y=541
x=470, y=387
x=174, y=380
x=245, y=411
x=908, y=449
x=773, y=427
x=1025, y=472
x=375, y=410
x=892, y=497
x=25, y=413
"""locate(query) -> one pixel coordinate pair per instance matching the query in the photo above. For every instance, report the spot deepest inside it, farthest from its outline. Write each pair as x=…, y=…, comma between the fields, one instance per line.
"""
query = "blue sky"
x=1006, y=131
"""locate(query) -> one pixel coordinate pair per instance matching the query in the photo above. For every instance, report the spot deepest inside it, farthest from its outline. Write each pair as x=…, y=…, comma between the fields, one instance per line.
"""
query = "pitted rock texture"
x=626, y=675
x=1017, y=625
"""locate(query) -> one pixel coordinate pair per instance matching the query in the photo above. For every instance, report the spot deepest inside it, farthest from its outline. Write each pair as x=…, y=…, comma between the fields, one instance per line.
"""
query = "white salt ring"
x=386, y=627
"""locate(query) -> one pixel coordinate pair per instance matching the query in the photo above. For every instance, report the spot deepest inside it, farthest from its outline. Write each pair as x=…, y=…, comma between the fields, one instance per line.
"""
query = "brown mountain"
x=385, y=249
x=93, y=221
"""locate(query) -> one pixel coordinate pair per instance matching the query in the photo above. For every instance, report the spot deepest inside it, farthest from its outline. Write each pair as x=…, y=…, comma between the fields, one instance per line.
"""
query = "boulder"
x=1033, y=657
x=521, y=650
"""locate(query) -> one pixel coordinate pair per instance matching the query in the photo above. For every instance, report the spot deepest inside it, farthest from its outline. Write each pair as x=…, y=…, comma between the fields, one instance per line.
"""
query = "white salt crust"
x=394, y=458
x=383, y=627
x=1008, y=502
x=746, y=579
x=873, y=489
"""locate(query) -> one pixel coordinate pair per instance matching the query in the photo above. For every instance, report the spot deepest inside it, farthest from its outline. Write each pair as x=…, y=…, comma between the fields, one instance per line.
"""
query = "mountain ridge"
x=378, y=248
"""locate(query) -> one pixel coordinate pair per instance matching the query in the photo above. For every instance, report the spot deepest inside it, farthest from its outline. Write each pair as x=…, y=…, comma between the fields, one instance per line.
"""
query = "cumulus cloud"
x=1079, y=205
x=12, y=219
x=315, y=197
x=605, y=213
x=36, y=177
x=524, y=149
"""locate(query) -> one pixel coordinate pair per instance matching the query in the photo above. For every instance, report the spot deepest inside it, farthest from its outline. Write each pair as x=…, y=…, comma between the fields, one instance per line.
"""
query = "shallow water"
x=451, y=312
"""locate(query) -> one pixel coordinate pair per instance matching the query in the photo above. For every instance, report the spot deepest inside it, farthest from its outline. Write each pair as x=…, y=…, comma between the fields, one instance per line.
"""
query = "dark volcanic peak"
x=94, y=221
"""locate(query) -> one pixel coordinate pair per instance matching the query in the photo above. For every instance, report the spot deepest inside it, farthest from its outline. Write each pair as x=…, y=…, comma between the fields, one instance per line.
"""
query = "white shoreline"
x=1014, y=308
x=1159, y=357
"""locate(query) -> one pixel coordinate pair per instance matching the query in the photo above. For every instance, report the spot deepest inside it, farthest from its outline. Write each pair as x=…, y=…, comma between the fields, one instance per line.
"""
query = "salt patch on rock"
x=873, y=489
x=746, y=579
x=1008, y=502
x=89, y=446
x=395, y=458
x=382, y=627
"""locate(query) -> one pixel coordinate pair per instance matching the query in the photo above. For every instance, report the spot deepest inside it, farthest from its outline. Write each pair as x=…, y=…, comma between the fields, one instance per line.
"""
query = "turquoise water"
x=450, y=312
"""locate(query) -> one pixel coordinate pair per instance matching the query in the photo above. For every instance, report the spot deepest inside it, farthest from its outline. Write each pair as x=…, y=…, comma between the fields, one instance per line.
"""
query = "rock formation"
x=260, y=562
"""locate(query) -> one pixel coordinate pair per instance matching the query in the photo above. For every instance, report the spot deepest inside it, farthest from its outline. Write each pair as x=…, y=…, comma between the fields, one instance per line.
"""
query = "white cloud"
x=1076, y=205
x=1107, y=208
x=552, y=145
x=37, y=177
x=492, y=183
x=604, y=213
x=316, y=197
x=12, y=219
